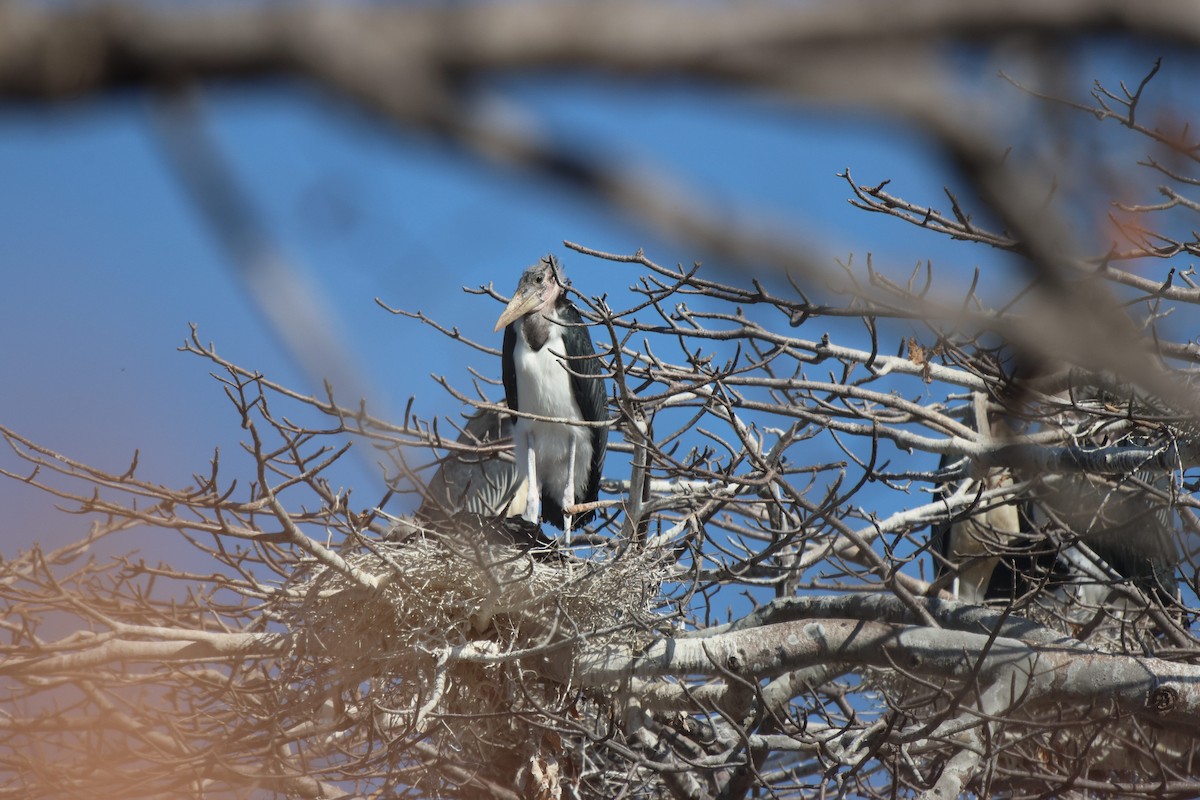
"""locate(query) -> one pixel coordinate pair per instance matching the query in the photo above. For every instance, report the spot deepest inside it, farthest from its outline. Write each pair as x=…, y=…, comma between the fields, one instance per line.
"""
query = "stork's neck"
x=536, y=326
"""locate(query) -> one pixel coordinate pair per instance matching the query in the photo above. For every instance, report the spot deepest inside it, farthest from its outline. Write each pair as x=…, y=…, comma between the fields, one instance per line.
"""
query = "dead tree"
x=757, y=609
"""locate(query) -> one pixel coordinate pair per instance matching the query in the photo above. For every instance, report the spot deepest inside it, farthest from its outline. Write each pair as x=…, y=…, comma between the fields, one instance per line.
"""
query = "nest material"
x=381, y=655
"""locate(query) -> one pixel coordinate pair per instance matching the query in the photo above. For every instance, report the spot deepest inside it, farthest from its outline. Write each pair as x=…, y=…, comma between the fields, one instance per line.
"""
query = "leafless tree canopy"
x=758, y=610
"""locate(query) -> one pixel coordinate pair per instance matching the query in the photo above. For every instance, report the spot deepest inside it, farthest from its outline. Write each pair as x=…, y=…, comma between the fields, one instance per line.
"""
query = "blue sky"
x=106, y=261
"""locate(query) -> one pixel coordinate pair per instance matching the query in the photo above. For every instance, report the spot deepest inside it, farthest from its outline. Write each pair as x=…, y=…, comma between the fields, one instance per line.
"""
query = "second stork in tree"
x=551, y=370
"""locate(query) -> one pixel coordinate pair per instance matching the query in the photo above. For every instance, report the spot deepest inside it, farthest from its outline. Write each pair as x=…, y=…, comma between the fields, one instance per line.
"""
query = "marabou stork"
x=551, y=370
x=1003, y=549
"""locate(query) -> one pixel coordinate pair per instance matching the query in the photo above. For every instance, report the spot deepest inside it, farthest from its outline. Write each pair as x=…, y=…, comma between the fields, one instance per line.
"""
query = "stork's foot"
x=528, y=536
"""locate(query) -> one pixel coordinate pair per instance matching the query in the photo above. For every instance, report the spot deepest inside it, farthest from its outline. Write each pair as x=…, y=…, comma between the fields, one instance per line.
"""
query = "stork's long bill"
x=519, y=306
x=529, y=297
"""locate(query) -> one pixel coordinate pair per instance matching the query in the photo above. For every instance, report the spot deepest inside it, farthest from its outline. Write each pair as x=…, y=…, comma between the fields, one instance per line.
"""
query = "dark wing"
x=480, y=485
x=587, y=385
x=940, y=531
x=508, y=370
x=470, y=493
x=1130, y=529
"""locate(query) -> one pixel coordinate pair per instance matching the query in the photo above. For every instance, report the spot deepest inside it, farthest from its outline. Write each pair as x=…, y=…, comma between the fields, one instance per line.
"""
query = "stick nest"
x=384, y=665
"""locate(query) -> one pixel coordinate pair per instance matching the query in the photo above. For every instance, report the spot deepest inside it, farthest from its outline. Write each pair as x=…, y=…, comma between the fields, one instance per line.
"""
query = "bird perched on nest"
x=551, y=370
x=1000, y=550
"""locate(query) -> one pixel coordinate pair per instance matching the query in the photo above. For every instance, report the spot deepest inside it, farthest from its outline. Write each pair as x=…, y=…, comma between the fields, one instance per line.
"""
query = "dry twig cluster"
x=759, y=608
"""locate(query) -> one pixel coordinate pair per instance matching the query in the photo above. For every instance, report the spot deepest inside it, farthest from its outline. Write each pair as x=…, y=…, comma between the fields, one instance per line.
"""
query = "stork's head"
x=539, y=288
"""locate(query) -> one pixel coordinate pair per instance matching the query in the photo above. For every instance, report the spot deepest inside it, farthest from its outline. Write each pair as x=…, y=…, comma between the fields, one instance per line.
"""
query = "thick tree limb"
x=1165, y=691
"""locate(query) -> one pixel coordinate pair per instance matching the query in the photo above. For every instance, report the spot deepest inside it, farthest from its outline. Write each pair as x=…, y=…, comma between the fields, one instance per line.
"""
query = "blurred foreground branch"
x=869, y=533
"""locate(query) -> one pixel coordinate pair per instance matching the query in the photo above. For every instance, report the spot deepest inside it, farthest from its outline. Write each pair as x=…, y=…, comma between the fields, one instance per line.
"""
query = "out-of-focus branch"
x=288, y=299
x=404, y=63
x=54, y=52
x=794, y=470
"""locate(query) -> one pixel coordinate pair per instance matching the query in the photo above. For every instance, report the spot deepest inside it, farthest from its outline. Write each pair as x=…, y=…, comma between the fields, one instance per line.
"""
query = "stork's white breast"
x=544, y=388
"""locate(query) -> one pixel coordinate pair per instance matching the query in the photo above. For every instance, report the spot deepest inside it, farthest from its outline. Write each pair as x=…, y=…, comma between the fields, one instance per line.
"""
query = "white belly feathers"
x=544, y=388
